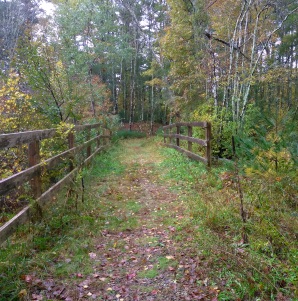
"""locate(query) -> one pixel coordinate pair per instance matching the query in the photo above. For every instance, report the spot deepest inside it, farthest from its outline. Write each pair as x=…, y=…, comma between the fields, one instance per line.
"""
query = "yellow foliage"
x=155, y=82
x=54, y=146
x=16, y=111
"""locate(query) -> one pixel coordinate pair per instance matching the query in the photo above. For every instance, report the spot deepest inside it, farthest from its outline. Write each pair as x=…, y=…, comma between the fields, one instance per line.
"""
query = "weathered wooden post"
x=98, y=139
x=106, y=133
x=178, y=133
x=71, y=140
x=89, y=146
x=208, y=142
x=34, y=158
x=189, y=135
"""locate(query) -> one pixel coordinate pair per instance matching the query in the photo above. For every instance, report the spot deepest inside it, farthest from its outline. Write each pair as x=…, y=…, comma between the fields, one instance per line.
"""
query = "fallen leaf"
x=22, y=294
x=131, y=276
x=36, y=297
x=172, y=229
x=239, y=250
x=92, y=255
x=169, y=257
x=27, y=278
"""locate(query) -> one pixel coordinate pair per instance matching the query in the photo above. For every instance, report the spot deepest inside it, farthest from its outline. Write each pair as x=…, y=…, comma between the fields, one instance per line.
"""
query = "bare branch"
x=235, y=47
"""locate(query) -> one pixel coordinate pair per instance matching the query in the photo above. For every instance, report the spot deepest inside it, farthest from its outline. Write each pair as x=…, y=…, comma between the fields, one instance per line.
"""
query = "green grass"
x=37, y=249
x=259, y=271
x=127, y=134
x=133, y=206
x=162, y=264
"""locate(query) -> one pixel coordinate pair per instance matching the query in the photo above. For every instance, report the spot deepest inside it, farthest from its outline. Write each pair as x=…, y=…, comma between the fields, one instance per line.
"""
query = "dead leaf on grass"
x=37, y=297
x=92, y=255
x=131, y=276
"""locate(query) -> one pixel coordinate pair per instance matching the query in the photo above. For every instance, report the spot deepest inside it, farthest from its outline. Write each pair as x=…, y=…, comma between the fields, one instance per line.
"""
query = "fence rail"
x=36, y=166
x=176, y=136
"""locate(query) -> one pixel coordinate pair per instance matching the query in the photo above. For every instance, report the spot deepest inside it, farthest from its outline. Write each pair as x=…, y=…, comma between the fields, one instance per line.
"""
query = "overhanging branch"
x=235, y=47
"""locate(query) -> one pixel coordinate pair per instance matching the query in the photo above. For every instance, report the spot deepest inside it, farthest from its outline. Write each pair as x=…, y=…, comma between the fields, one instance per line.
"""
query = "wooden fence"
x=176, y=136
x=36, y=167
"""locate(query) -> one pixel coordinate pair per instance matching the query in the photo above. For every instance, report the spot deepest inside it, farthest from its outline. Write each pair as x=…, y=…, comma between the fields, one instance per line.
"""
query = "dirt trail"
x=145, y=263
x=142, y=261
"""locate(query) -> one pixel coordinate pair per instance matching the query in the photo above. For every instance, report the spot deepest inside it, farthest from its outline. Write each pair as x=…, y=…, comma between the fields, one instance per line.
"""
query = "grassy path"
x=119, y=243
x=138, y=259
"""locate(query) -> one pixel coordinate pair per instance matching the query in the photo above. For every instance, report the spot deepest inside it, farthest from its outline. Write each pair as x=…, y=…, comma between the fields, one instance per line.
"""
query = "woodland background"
x=231, y=63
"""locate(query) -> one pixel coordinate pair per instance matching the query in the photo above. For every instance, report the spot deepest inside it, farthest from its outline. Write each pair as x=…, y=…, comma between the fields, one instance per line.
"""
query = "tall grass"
x=264, y=269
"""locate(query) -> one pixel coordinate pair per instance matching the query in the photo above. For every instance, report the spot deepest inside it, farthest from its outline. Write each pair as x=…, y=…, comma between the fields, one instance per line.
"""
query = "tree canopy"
x=232, y=63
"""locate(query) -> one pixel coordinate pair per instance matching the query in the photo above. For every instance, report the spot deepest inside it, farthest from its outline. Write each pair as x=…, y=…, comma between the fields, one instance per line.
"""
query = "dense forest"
x=231, y=63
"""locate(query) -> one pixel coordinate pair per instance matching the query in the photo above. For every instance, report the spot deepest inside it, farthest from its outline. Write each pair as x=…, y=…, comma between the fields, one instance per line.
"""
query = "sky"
x=48, y=7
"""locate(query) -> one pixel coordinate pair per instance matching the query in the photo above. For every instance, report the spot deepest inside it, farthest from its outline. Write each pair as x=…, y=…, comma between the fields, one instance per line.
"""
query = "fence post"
x=189, y=135
x=71, y=145
x=98, y=139
x=178, y=133
x=34, y=158
x=208, y=142
x=106, y=133
x=89, y=146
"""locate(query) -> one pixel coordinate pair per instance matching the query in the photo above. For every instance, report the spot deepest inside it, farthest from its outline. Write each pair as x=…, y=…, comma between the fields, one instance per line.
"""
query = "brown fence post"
x=106, y=133
x=189, y=135
x=98, y=139
x=178, y=133
x=34, y=158
x=71, y=139
x=208, y=142
x=89, y=147
x=110, y=134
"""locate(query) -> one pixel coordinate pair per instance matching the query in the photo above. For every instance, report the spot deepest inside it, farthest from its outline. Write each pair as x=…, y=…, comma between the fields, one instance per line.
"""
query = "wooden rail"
x=176, y=136
x=33, y=172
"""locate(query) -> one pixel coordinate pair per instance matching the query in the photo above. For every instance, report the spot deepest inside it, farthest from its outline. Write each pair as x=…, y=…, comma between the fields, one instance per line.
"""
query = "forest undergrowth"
x=154, y=225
